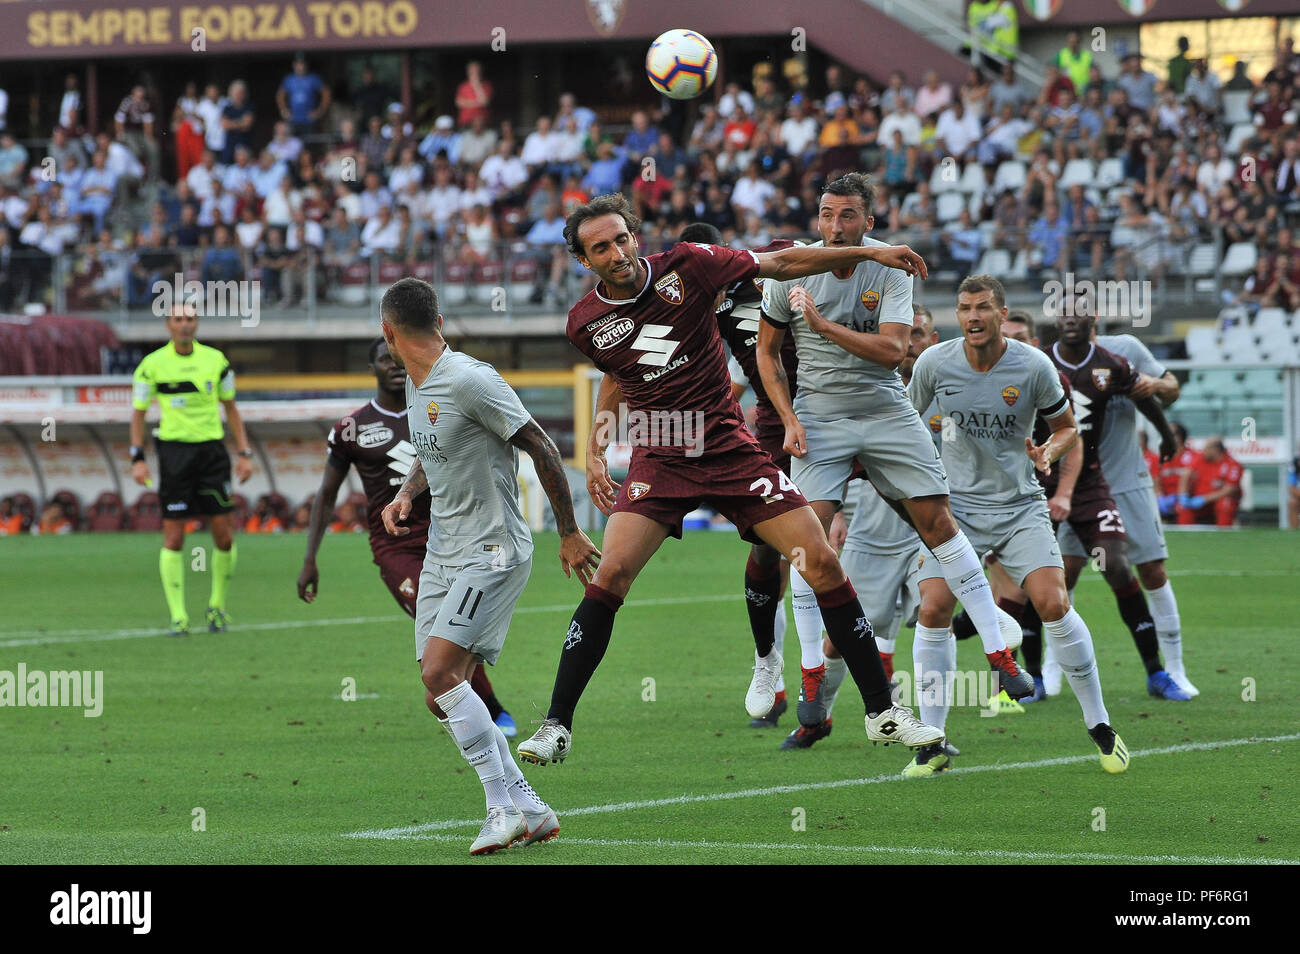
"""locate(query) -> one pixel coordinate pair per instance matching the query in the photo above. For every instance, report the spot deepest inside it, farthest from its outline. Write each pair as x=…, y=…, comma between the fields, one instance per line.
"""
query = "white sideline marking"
x=417, y=831
x=1075, y=856
x=36, y=638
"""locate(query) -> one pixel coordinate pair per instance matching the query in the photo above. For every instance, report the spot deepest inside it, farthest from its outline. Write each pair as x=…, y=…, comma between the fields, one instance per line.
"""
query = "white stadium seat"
x=1202, y=343
x=972, y=179
x=995, y=262
x=1204, y=259
x=1010, y=175
x=1077, y=172
x=946, y=177
x=1239, y=259
x=1110, y=173
x=1238, y=344
x=949, y=206
x=1272, y=326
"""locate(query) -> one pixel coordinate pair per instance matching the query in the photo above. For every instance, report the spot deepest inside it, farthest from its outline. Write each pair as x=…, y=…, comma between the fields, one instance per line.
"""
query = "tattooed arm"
x=399, y=509
x=576, y=551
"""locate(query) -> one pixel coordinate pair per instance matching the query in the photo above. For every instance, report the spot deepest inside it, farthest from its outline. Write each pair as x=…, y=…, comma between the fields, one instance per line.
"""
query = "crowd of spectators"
x=1121, y=174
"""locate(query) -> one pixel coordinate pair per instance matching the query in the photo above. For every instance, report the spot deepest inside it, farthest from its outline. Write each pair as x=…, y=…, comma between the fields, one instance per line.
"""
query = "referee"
x=188, y=379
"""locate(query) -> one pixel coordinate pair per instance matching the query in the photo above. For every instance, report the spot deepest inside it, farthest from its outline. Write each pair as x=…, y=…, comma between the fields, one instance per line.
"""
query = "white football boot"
x=504, y=827
x=550, y=743
x=762, y=688
x=897, y=724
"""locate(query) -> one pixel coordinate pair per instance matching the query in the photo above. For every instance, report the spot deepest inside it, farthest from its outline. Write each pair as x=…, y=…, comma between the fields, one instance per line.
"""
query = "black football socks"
x=584, y=647
x=763, y=599
x=850, y=632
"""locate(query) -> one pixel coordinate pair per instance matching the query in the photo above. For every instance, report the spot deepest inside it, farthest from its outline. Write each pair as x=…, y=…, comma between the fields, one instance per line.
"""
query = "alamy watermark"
x=58, y=689
x=1107, y=300
x=228, y=299
x=960, y=688
x=635, y=428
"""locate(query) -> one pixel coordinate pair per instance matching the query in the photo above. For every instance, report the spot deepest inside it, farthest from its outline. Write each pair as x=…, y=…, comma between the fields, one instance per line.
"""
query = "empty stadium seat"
x=946, y=177
x=1110, y=173
x=1011, y=175
x=455, y=289
x=972, y=179
x=1077, y=172
x=1202, y=343
x=1239, y=259
x=995, y=262
x=1238, y=345
x=106, y=513
x=146, y=513
x=1272, y=325
x=354, y=284
x=1203, y=259
x=948, y=206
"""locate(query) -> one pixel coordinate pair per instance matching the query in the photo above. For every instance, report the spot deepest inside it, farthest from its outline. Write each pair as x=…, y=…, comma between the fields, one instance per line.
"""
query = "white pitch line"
x=416, y=831
x=36, y=638
x=1081, y=857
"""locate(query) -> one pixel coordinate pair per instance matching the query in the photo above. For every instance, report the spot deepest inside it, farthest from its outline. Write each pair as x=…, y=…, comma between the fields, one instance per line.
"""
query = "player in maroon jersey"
x=649, y=326
x=375, y=439
x=1097, y=375
x=738, y=314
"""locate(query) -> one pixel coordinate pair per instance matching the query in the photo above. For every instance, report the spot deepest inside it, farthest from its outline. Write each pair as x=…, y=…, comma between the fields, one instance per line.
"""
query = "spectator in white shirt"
x=69, y=105
x=958, y=131
x=284, y=145
x=477, y=143
x=239, y=174
x=933, y=97
x=474, y=192
x=381, y=234
x=539, y=146
x=503, y=173
x=209, y=109
x=751, y=193
x=799, y=131
x=444, y=201
x=1214, y=171
x=408, y=169
x=735, y=96
x=374, y=196
x=201, y=177
x=248, y=231
x=903, y=120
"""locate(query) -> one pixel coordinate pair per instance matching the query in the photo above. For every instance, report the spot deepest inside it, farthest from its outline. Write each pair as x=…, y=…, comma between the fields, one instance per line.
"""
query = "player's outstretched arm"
x=777, y=385
x=1153, y=411
x=1064, y=436
x=800, y=261
x=577, y=553
x=321, y=507
x=395, y=514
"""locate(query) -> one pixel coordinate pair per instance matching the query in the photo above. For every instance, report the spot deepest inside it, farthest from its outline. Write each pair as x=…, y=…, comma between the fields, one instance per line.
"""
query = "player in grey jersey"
x=467, y=426
x=851, y=329
x=1134, y=492
x=992, y=389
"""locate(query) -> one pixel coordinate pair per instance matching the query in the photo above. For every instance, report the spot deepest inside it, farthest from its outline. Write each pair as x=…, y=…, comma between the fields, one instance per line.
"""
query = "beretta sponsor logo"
x=375, y=437
x=612, y=333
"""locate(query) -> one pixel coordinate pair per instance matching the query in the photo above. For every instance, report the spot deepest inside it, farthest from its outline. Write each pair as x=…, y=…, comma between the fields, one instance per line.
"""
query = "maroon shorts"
x=744, y=485
x=400, y=571
x=1094, y=518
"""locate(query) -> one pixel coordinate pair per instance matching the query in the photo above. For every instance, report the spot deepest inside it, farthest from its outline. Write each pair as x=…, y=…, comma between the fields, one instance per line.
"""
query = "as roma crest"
x=1101, y=378
x=407, y=588
x=670, y=288
x=637, y=489
x=870, y=299
x=1011, y=395
x=936, y=422
x=433, y=413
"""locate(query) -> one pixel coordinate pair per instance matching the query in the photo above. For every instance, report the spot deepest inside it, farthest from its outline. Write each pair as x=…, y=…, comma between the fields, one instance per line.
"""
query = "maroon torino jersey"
x=739, y=316
x=377, y=443
x=1101, y=376
x=662, y=347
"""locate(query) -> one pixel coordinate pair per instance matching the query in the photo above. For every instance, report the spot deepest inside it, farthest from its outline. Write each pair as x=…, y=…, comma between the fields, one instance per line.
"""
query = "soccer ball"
x=681, y=64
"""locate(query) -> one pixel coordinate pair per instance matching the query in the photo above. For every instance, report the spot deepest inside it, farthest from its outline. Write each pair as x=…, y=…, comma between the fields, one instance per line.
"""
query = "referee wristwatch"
x=137, y=454
x=246, y=453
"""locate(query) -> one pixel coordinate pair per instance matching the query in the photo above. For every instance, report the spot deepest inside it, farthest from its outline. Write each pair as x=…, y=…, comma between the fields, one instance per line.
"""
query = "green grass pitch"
x=250, y=728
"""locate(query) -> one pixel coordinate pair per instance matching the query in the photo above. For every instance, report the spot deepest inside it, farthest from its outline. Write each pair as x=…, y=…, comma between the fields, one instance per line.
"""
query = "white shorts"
x=470, y=606
x=1141, y=516
x=897, y=451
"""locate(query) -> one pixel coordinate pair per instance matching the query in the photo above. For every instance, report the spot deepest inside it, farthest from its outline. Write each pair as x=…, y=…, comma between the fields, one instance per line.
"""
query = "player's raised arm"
x=577, y=553
x=322, y=506
x=800, y=261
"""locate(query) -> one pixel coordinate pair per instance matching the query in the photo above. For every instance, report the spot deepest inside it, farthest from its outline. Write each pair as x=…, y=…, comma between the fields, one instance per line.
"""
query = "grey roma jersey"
x=992, y=414
x=833, y=382
x=462, y=418
x=1121, y=458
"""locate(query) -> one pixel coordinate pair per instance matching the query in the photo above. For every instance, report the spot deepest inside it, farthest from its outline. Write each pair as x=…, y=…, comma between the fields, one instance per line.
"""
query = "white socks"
x=1164, y=610
x=934, y=658
x=471, y=726
x=779, y=630
x=836, y=670
x=807, y=621
x=1072, y=646
x=965, y=575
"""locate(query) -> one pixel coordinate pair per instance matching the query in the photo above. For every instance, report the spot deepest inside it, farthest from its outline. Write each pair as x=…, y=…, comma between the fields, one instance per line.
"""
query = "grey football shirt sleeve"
x=776, y=302
x=486, y=398
x=897, y=304
x=1140, y=356
x=920, y=391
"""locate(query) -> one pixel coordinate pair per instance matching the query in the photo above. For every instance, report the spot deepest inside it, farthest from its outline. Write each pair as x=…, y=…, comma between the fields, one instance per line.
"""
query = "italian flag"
x=1137, y=8
x=1042, y=9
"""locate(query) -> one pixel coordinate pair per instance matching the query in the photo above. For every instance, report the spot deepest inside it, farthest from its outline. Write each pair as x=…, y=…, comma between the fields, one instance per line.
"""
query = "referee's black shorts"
x=194, y=478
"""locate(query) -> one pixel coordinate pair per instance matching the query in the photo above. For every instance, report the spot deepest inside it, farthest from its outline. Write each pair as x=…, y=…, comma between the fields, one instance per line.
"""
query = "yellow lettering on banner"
x=59, y=28
x=158, y=17
x=136, y=26
x=372, y=19
x=85, y=30
x=241, y=24
x=401, y=18
x=37, y=29
x=211, y=17
x=290, y=24
x=345, y=20
x=319, y=12
x=111, y=26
